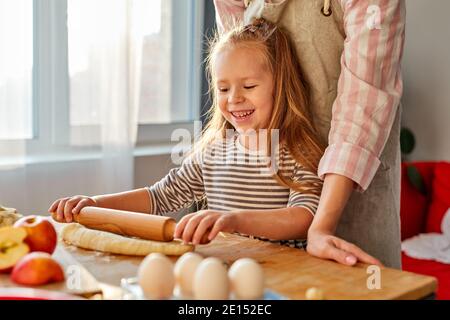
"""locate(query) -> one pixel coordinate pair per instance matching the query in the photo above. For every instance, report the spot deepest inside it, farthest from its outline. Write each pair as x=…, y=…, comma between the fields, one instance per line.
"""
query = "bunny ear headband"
x=253, y=17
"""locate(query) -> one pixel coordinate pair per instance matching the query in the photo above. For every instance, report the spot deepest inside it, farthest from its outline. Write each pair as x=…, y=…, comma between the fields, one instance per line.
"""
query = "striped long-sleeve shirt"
x=232, y=178
x=369, y=87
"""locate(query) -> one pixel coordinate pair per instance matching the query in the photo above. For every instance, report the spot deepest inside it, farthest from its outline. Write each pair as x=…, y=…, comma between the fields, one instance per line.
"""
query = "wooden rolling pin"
x=126, y=223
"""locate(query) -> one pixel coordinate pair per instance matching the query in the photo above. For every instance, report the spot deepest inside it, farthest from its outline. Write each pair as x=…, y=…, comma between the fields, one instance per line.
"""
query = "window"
x=156, y=76
x=53, y=86
x=16, y=69
x=152, y=21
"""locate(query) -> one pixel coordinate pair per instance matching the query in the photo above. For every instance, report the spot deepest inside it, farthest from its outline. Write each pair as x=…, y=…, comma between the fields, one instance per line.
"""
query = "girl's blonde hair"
x=291, y=109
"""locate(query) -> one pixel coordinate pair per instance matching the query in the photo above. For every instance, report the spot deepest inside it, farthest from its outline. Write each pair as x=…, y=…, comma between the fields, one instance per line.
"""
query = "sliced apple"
x=41, y=235
x=12, y=247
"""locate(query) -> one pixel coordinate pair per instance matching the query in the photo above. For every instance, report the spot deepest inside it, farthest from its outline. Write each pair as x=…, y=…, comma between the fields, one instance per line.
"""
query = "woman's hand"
x=63, y=210
x=327, y=246
x=195, y=227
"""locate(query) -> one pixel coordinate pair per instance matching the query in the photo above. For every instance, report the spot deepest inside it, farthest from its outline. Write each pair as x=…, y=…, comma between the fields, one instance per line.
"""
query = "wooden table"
x=289, y=272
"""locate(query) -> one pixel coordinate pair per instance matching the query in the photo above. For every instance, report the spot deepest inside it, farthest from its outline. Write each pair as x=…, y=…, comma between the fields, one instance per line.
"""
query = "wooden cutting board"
x=78, y=281
x=289, y=272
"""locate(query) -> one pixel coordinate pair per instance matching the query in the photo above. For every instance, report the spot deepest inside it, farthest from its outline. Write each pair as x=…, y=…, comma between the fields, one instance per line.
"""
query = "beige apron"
x=371, y=220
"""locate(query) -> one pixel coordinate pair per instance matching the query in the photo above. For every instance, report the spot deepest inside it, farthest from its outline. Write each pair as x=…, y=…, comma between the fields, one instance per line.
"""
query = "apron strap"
x=254, y=10
x=326, y=10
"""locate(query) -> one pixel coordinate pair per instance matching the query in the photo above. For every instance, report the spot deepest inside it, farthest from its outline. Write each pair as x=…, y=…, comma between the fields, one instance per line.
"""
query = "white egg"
x=211, y=280
x=247, y=279
x=155, y=276
x=185, y=268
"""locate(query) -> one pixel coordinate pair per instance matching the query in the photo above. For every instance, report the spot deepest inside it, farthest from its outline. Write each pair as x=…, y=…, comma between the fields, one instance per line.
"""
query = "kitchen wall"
x=426, y=75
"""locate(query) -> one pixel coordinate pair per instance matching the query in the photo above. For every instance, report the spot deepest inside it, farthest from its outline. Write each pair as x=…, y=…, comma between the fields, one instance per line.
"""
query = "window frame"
x=189, y=13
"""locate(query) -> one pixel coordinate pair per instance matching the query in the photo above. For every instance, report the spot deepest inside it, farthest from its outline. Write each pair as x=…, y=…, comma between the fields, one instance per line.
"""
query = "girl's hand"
x=63, y=210
x=194, y=227
x=327, y=246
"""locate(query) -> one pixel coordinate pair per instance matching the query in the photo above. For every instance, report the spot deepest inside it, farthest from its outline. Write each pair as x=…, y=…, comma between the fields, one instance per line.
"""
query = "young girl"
x=256, y=161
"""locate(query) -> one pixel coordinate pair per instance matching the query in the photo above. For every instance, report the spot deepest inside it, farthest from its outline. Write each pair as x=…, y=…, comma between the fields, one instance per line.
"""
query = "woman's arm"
x=321, y=240
x=368, y=95
x=277, y=224
x=336, y=191
x=363, y=113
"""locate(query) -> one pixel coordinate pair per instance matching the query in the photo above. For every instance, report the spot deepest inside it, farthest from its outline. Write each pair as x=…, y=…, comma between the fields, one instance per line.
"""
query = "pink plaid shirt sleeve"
x=369, y=89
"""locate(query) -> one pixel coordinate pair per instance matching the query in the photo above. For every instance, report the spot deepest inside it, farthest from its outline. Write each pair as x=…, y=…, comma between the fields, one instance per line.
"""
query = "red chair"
x=422, y=213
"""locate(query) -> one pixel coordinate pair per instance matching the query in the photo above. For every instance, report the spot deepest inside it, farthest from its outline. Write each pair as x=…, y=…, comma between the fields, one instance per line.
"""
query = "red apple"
x=37, y=268
x=12, y=247
x=41, y=235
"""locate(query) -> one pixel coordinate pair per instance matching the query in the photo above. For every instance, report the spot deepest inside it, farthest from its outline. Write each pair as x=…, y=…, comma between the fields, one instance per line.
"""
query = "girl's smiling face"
x=244, y=88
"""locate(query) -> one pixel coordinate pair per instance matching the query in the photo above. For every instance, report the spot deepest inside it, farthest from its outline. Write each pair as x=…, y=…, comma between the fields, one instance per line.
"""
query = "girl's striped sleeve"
x=307, y=200
x=180, y=188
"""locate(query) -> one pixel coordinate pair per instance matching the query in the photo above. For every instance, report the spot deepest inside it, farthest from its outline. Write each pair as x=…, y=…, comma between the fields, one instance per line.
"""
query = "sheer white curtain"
x=105, y=48
x=16, y=86
x=16, y=62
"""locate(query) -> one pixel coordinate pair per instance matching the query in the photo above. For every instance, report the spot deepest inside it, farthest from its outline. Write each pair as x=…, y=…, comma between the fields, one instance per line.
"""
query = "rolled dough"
x=80, y=236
